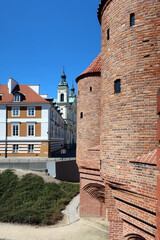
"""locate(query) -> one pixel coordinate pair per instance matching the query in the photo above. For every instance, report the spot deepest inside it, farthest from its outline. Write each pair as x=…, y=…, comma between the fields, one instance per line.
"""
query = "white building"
x=67, y=103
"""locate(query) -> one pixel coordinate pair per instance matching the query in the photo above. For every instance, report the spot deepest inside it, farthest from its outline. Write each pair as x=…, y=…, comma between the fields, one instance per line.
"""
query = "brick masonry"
x=118, y=128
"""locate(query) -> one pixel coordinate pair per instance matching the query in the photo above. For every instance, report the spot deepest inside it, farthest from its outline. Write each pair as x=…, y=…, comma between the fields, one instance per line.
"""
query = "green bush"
x=32, y=201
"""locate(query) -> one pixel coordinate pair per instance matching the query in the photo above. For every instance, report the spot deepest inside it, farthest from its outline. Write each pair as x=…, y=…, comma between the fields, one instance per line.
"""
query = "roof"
x=101, y=5
x=93, y=70
x=149, y=158
x=30, y=95
x=71, y=100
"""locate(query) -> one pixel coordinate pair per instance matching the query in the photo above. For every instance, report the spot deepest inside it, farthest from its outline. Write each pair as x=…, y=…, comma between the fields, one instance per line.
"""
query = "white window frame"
x=17, y=97
x=15, y=150
x=30, y=124
x=31, y=150
x=15, y=110
x=30, y=109
x=15, y=124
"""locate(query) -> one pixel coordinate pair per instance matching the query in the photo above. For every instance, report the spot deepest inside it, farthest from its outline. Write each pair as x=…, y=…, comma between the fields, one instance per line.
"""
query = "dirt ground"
x=20, y=173
x=84, y=229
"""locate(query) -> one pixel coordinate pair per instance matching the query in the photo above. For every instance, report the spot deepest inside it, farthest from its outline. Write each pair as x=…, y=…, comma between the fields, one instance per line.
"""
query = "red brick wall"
x=158, y=166
x=128, y=119
x=88, y=136
x=90, y=206
x=88, y=130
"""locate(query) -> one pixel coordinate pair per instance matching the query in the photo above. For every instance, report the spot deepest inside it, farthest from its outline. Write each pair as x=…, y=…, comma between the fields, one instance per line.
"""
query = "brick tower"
x=88, y=137
x=130, y=79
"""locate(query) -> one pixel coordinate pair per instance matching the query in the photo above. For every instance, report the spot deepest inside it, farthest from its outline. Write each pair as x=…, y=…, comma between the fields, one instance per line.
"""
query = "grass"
x=32, y=201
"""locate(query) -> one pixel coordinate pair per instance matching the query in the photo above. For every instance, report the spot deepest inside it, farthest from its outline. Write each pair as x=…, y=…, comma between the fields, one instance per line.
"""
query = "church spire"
x=72, y=94
x=63, y=80
x=72, y=89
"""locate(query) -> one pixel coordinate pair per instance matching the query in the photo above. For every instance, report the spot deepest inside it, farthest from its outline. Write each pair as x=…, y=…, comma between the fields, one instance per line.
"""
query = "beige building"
x=30, y=125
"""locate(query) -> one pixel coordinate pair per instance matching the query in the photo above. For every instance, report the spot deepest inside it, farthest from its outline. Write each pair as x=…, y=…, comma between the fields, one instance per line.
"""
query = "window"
x=15, y=129
x=17, y=97
x=81, y=115
x=30, y=148
x=90, y=89
x=15, y=148
x=108, y=35
x=62, y=97
x=15, y=111
x=31, y=129
x=132, y=19
x=117, y=86
x=31, y=111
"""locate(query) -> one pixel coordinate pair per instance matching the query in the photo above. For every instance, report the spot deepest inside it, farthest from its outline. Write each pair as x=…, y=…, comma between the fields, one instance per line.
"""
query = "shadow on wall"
x=67, y=171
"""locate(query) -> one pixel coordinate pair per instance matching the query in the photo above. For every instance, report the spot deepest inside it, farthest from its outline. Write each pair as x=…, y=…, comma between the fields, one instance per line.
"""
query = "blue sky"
x=38, y=36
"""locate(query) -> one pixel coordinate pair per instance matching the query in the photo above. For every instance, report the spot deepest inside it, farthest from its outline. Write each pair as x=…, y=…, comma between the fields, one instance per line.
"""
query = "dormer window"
x=17, y=97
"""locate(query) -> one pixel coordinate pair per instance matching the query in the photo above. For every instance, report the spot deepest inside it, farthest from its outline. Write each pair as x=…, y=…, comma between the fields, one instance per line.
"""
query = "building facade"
x=67, y=104
x=117, y=121
x=30, y=126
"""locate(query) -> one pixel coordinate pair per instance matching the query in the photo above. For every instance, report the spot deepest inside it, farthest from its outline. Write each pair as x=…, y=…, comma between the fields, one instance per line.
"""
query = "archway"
x=93, y=204
x=96, y=191
x=134, y=237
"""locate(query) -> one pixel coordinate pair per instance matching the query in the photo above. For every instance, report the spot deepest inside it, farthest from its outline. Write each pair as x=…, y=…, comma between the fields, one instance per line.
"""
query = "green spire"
x=72, y=89
x=63, y=80
x=72, y=94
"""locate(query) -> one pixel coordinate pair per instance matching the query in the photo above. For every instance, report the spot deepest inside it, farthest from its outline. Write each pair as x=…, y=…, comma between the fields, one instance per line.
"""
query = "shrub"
x=32, y=201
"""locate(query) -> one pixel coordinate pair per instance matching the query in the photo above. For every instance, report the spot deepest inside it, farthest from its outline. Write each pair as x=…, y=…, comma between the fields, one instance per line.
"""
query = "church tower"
x=67, y=105
x=63, y=90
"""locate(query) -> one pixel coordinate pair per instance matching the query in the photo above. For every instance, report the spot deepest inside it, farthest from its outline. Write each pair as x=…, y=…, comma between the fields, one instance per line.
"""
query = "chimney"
x=11, y=85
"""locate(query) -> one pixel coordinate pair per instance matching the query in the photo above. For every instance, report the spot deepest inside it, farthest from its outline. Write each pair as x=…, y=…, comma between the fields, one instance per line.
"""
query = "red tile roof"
x=30, y=95
x=93, y=69
x=149, y=158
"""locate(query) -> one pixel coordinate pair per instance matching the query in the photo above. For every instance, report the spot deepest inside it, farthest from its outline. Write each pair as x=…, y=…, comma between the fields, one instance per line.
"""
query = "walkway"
x=71, y=210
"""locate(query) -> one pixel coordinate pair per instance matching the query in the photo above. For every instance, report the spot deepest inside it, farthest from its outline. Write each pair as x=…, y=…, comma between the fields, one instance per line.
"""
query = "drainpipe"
x=6, y=135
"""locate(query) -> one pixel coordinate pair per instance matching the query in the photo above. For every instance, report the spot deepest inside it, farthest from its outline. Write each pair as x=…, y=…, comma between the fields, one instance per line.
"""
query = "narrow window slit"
x=108, y=34
x=132, y=19
x=117, y=86
x=147, y=56
x=146, y=40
